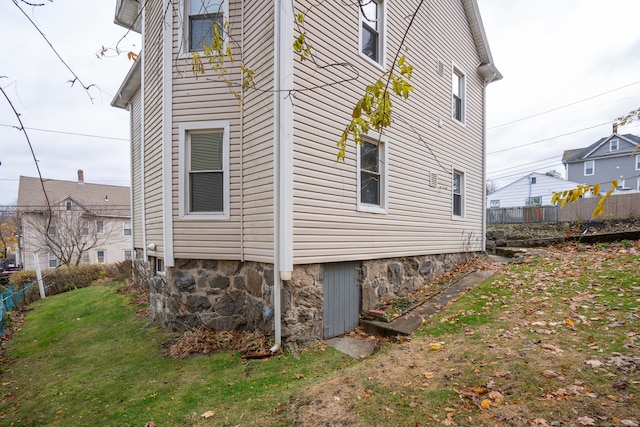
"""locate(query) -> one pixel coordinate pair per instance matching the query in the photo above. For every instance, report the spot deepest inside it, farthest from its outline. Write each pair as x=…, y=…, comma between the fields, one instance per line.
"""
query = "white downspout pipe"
x=283, y=157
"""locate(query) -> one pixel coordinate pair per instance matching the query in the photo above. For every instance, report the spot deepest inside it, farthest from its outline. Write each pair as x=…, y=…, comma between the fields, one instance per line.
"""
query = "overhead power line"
x=562, y=106
x=70, y=133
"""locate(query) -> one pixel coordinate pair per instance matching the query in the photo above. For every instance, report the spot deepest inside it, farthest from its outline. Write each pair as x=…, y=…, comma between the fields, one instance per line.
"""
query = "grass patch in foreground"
x=82, y=358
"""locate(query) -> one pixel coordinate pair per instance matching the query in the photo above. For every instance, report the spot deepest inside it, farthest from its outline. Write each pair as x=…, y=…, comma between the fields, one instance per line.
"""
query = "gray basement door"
x=341, y=298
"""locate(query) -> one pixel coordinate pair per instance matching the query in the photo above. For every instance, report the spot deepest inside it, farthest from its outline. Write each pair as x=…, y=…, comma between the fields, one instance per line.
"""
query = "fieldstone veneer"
x=226, y=295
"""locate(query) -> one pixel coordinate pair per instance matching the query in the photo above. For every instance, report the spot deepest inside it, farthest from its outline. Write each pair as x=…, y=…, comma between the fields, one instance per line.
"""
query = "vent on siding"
x=440, y=68
x=433, y=179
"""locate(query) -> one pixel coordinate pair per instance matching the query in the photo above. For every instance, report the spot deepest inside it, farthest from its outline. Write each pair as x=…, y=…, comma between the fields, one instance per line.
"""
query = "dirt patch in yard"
x=552, y=341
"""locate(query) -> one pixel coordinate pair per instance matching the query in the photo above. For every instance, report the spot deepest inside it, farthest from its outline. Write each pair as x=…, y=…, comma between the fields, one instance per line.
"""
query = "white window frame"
x=159, y=267
x=638, y=162
x=638, y=184
x=463, y=190
x=383, y=147
x=494, y=203
x=533, y=201
x=183, y=179
x=69, y=205
x=593, y=167
x=85, y=258
x=382, y=31
x=104, y=256
x=52, y=257
x=614, y=147
x=100, y=226
x=183, y=28
x=52, y=230
x=126, y=225
x=127, y=254
x=462, y=90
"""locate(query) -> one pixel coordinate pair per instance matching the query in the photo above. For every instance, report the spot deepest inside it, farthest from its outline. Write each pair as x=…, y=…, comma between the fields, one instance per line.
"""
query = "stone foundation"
x=226, y=295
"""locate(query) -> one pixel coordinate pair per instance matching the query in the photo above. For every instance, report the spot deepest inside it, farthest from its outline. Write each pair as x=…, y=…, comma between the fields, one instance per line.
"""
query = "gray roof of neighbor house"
x=570, y=156
x=101, y=199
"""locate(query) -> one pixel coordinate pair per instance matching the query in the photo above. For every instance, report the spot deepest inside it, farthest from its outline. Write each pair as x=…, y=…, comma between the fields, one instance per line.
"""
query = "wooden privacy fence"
x=620, y=206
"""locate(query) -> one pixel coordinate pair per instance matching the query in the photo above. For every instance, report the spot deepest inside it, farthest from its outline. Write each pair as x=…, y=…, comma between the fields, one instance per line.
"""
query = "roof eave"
x=128, y=15
x=487, y=67
x=129, y=86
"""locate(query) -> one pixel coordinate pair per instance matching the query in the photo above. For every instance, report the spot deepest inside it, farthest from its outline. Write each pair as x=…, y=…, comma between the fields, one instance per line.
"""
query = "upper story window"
x=589, y=167
x=68, y=205
x=100, y=226
x=638, y=162
x=458, y=95
x=372, y=176
x=533, y=179
x=126, y=228
x=372, y=14
x=457, y=194
x=203, y=16
x=52, y=260
x=204, y=165
x=52, y=229
x=614, y=144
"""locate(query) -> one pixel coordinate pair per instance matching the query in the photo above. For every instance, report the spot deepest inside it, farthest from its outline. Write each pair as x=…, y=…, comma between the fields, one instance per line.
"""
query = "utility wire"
x=563, y=106
x=70, y=133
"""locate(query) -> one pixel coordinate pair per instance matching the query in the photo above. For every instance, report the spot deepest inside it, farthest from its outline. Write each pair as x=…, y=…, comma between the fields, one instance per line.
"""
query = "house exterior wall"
x=136, y=171
x=115, y=242
x=152, y=140
x=327, y=225
x=609, y=165
x=517, y=193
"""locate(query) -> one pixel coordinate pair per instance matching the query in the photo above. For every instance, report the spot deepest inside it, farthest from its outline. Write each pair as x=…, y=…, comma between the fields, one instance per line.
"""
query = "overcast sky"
x=574, y=65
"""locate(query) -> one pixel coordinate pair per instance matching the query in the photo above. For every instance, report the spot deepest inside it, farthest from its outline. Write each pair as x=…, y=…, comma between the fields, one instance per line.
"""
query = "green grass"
x=82, y=358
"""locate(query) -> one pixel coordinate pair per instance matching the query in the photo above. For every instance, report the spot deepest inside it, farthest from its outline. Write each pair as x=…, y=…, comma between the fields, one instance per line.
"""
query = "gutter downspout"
x=143, y=193
x=167, y=137
x=489, y=76
x=283, y=157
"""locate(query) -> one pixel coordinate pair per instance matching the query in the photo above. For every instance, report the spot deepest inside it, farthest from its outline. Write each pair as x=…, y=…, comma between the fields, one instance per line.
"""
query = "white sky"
x=552, y=53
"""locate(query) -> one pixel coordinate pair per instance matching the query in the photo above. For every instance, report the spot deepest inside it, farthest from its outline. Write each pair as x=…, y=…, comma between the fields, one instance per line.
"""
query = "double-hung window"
x=372, y=14
x=52, y=260
x=458, y=95
x=614, y=144
x=204, y=16
x=100, y=226
x=457, y=194
x=589, y=167
x=372, y=175
x=101, y=256
x=204, y=170
x=638, y=162
x=126, y=228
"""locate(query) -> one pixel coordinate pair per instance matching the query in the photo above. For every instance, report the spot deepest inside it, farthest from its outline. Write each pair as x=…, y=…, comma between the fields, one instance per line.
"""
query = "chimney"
x=615, y=128
x=80, y=176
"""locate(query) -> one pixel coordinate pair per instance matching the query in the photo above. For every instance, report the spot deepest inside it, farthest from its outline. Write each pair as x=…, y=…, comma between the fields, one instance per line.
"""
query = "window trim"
x=375, y=138
x=183, y=166
x=124, y=254
x=382, y=31
x=183, y=27
x=52, y=257
x=463, y=193
x=494, y=203
x=593, y=167
x=638, y=162
x=125, y=228
x=100, y=229
x=104, y=256
x=462, y=75
x=82, y=258
x=617, y=145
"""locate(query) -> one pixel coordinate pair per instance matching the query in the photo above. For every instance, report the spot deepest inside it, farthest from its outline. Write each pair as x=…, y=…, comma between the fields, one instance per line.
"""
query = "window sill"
x=205, y=217
x=371, y=61
x=371, y=209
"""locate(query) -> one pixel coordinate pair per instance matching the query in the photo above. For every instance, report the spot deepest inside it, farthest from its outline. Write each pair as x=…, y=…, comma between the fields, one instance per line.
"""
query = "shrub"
x=64, y=279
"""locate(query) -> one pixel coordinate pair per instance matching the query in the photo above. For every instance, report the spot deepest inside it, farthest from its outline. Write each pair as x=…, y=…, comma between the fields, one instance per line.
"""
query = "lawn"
x=551, y=341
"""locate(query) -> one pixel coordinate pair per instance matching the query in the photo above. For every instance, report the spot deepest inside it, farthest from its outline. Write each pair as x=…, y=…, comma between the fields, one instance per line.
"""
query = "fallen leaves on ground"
x=204, y=341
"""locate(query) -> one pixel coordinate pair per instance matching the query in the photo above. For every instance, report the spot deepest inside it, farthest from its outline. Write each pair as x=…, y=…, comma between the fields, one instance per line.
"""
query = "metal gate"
x=341, y=298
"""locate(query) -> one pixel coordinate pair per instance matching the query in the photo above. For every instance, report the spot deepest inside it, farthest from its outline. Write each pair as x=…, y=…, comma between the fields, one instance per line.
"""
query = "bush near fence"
x=64, y=279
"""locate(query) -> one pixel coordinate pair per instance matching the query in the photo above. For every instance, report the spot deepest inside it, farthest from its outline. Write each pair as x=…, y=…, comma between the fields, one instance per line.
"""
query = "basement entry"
x=341, y=298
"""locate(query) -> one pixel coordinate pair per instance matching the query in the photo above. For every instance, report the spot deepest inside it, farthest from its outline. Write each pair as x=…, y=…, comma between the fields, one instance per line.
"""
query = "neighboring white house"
x=243, y=213
x=535, y=189
x=88, y=224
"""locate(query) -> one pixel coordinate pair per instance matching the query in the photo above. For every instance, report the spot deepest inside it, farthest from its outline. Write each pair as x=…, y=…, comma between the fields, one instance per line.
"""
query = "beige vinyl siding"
x=327, y=226
x=152, y=63
x=136, y=184
x=207, y=98
x=258, y=131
